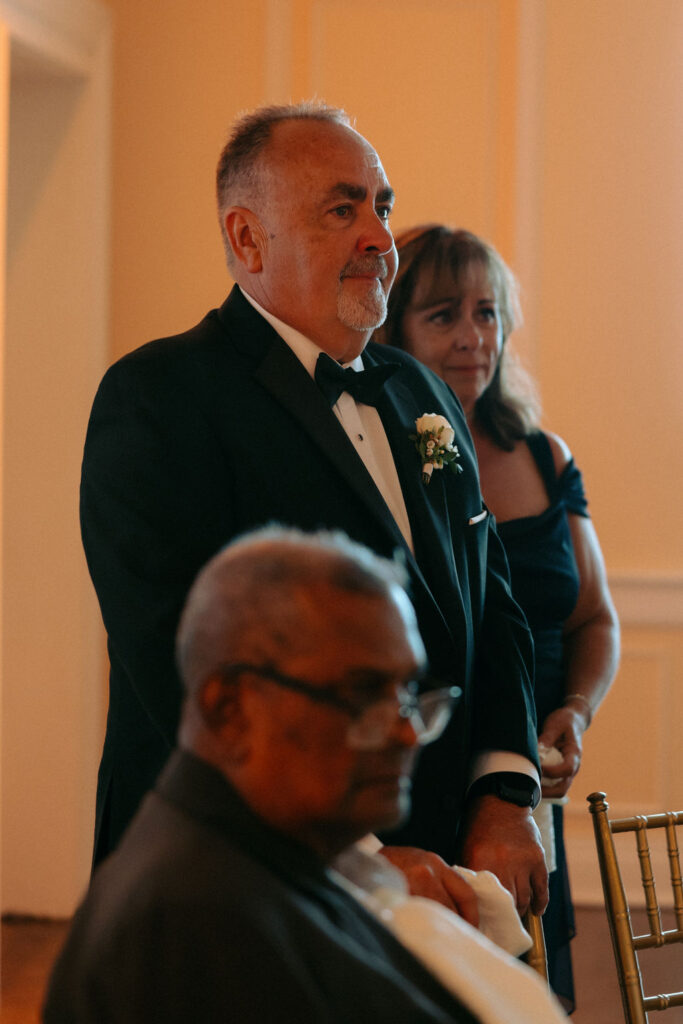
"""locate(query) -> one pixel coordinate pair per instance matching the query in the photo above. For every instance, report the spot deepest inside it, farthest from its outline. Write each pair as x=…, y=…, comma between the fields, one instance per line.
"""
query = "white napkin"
x=498, y=917
x=497, y=988
x=543, y=814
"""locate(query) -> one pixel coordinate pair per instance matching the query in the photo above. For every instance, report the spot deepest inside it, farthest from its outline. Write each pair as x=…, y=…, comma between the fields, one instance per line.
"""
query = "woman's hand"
x=563, y=729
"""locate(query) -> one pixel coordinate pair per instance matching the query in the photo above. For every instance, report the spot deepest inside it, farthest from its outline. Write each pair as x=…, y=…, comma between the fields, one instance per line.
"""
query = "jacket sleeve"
x=179, y=970
x=504, y=711
x=155, y=505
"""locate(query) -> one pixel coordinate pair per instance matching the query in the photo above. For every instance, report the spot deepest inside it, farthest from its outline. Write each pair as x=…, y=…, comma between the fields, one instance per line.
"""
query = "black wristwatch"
x=514, y=787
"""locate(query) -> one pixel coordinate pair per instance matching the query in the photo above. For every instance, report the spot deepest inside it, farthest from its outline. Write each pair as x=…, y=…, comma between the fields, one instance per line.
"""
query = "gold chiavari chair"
x=624, y=942
x=536, y=957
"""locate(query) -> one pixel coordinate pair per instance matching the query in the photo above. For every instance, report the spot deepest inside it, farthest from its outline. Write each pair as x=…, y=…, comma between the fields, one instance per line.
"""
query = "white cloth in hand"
x=497, y=988
x=498, y=917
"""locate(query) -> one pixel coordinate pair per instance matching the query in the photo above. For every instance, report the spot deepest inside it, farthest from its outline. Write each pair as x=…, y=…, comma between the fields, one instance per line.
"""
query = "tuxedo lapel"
x=281, y=374
x=429, y=506
x=279, y=371
x=289, y=383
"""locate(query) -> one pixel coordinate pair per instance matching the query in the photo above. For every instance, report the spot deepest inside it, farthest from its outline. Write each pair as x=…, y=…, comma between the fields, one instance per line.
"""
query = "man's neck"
x=297, y=340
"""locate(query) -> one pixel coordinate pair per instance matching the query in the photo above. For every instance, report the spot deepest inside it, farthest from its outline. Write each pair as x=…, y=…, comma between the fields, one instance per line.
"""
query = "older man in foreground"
x=298, y=734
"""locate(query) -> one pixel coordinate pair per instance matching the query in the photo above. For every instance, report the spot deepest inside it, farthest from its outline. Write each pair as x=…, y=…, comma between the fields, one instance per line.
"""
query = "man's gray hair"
x=237, y=174
x=249, y=602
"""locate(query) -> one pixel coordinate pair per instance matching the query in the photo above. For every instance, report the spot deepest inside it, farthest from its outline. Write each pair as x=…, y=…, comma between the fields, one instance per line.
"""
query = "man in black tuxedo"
x=241, y=421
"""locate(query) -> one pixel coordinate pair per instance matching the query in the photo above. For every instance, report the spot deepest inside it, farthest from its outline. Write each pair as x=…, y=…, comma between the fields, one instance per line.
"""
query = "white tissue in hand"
x=549, y=756
x=498, y=917
x=543, y=814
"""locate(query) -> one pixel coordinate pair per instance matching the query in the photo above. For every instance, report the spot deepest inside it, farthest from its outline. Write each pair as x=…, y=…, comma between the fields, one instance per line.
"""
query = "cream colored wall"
x=4, y=132
x=610, y=301
x=180, y=78
x=548, y=126
x=610, y=360
x=53, y=342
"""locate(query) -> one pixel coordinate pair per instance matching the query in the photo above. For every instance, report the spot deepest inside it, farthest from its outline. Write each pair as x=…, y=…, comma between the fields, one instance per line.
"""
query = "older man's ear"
x=246, y=236
x=222, y=712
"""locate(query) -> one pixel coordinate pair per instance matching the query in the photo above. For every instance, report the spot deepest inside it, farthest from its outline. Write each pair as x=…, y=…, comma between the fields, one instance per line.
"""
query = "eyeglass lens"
x=429, y=714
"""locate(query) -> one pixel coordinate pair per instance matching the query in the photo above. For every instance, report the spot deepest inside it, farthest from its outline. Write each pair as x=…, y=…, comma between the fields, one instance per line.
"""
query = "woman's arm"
x=591, y=650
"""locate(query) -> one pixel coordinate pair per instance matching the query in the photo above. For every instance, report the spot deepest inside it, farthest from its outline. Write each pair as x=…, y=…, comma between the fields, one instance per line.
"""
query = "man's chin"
x=393, y=818
x=362, y=315
x=394, y=810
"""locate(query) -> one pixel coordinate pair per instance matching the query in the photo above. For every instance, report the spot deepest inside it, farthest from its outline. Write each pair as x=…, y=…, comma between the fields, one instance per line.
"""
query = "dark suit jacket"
x=196, y=438
x=204, y=914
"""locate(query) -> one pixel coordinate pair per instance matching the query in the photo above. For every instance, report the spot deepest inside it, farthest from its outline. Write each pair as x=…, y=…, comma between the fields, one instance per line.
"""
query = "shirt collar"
x=304, y=349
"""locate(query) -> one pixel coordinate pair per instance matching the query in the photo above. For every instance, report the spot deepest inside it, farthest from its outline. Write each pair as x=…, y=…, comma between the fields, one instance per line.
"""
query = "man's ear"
x=245, y=234
x=221, y=709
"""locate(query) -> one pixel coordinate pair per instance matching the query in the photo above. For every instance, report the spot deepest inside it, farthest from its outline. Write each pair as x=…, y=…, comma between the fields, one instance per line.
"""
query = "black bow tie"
x=365, y=386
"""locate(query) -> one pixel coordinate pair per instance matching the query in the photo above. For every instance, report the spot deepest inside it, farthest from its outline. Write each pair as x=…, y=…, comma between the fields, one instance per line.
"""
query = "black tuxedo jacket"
x=197, y=438
x=205, y=915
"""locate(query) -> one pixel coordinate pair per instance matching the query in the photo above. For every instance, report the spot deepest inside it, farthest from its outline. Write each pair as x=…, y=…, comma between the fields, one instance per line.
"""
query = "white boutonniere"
x=434, y=442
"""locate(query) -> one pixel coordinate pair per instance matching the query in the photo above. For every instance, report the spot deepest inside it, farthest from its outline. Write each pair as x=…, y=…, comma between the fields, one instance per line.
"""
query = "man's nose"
x=375, y=235
x=406, y=729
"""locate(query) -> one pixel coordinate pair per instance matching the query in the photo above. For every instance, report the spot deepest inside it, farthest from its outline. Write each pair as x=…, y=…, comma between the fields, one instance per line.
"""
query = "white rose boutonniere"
x=434, y=442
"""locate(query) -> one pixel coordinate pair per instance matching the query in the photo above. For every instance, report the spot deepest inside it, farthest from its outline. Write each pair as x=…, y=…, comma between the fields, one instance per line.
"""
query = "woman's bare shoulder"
x=561, y=452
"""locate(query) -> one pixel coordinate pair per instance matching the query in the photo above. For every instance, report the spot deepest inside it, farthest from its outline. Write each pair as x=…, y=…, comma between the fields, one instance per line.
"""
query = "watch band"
x=513, y=787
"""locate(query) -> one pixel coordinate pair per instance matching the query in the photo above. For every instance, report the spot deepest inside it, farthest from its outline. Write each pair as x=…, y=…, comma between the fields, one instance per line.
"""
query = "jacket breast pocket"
x=476, y=533
x=479, y=518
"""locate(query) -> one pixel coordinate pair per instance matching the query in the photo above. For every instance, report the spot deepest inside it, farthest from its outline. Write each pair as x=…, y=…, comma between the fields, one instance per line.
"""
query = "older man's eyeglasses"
x=372, y=718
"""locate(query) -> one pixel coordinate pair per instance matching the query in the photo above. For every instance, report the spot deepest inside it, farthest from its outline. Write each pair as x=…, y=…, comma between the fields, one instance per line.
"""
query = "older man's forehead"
x=338, y=149
x=349, y=632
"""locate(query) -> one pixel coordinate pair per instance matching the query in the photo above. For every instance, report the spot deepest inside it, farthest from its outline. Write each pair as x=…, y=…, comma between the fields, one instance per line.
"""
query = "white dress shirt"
x=360, y=422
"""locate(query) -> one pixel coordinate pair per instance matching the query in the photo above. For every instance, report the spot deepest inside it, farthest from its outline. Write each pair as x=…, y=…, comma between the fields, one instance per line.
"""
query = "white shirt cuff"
x=503, y=761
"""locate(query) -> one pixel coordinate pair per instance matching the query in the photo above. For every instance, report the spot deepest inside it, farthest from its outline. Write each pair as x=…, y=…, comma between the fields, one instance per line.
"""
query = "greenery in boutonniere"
x=434, y=442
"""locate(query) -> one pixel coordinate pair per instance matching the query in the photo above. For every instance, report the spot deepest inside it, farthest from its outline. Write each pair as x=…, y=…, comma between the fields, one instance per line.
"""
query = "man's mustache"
x=375, y=266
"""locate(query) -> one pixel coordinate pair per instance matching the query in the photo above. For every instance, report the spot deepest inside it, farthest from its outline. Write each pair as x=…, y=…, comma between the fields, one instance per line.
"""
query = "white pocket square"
x=477, y=519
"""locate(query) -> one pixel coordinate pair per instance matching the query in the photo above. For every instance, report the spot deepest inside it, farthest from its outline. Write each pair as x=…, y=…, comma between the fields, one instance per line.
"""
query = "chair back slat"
x=675, y=867
x=648, y=880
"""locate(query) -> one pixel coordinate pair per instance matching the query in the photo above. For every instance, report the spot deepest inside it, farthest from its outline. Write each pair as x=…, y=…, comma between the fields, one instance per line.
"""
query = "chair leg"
x=536, y=957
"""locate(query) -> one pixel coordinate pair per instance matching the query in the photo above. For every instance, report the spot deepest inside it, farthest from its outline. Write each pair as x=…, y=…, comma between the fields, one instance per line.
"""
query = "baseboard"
x=648, y=599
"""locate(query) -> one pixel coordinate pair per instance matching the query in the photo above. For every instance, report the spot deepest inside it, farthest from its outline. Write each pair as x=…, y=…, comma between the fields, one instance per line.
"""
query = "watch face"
x=519, y=789
x=517, y=794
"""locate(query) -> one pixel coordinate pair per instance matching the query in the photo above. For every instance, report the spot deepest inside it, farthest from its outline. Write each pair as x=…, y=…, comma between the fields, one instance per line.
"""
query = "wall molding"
x=68, y=33
x=648, y=599
x=584, y=875
x=643, y=600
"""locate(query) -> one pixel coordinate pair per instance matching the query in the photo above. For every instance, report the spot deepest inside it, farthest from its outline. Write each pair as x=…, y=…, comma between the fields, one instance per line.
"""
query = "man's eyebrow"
x=370, y=677
x=347, y=190
x=386, y=195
